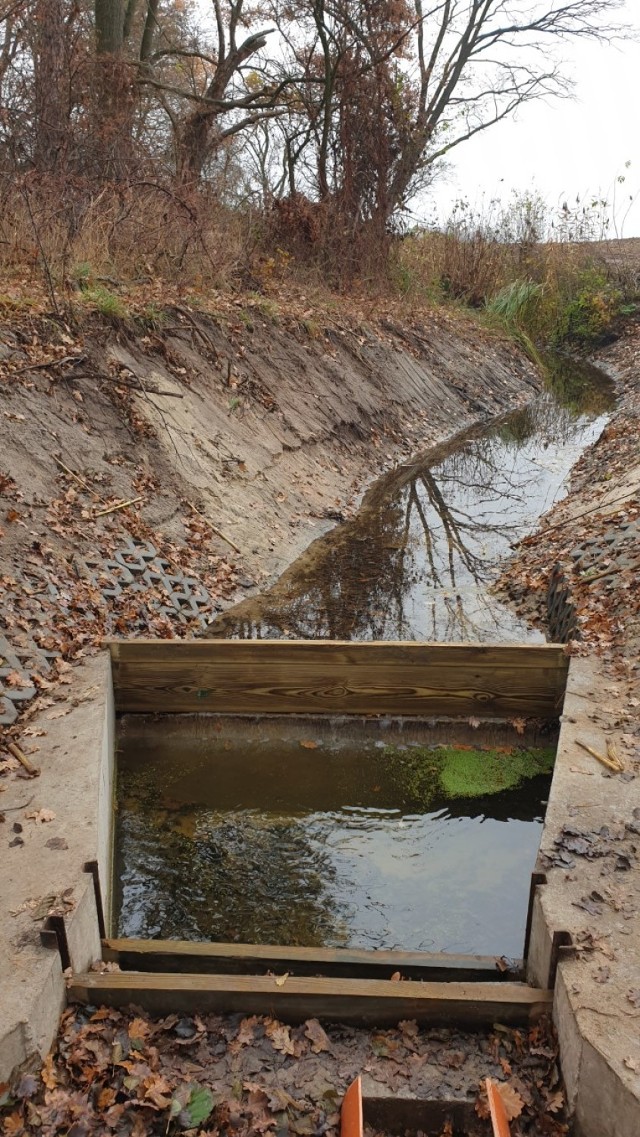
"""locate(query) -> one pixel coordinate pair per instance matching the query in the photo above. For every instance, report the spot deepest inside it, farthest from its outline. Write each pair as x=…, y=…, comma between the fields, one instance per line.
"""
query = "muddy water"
x=335, y=838
x=418, y=560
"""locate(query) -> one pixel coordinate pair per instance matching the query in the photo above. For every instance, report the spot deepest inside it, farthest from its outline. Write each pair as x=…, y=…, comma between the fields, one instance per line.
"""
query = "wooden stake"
x=351, y=1120
x=32, y=770
x=498, y=1113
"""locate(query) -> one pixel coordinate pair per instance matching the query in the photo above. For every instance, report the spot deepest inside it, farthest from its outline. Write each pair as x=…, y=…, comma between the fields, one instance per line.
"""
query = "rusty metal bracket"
x=562, y=947
x=53, y=935
x=537, y=878
x=92, y=867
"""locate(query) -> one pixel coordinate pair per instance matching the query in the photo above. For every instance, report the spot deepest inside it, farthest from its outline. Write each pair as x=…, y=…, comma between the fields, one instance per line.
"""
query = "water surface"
x=419, y=559
x=349, y=839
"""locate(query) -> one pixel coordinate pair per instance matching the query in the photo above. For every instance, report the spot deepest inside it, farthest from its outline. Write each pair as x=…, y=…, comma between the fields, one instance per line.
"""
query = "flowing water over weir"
x=370, y=833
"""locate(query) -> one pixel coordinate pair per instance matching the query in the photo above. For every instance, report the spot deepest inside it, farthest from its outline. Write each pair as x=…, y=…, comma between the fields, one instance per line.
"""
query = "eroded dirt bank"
x=235, y=439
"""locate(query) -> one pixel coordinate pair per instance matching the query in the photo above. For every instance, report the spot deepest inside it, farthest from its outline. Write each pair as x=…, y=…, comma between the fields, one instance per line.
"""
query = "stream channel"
x=366, y=833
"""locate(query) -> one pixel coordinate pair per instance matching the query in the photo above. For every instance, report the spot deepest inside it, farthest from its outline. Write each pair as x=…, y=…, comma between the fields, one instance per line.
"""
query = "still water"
x=360, y=834
x=419, y=559
x=344, y=835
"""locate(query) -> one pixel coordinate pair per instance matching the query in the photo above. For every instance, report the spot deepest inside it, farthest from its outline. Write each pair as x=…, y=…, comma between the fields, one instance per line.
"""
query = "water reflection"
x=266, y=841
x=418, y=560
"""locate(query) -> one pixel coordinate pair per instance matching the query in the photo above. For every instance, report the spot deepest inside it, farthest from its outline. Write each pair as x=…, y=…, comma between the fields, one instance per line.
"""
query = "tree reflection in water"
x=418, y=560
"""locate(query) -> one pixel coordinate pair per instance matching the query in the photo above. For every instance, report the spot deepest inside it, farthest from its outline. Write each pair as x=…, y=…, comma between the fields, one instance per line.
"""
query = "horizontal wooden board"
x=373, y=1002
x=254, y=959
x=323, y=676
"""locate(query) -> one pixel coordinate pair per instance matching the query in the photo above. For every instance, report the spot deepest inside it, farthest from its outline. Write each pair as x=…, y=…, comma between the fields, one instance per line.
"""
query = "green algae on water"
x=455, y=772
x=475, y=773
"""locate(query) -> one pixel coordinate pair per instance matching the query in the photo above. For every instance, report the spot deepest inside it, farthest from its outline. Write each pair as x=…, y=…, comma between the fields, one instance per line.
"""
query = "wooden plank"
x=311, y=677
x=373, y=1002
x=252, y=959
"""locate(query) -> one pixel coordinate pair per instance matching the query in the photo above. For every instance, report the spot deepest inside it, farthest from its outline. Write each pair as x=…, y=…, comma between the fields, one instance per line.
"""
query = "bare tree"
x=389, y=88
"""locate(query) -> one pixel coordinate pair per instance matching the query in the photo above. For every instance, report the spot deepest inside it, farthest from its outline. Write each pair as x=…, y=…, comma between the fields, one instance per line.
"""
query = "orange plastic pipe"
x=499, y=1119
x=351, y=1122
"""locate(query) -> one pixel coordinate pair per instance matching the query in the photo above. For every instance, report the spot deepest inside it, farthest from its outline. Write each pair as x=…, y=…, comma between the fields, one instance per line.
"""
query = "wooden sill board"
x=373, y=1002
x=346, y=963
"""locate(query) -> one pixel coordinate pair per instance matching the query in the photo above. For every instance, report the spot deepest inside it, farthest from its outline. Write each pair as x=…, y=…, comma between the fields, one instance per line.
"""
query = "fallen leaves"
x=41, y=816
x=317, y=1036
x=148, y=1077
x=280, y=1036
x=51, y=905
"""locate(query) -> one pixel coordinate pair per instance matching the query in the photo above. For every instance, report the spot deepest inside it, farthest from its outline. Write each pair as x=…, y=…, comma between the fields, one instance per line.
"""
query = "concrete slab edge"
x=603, y=1092
x=76, y=783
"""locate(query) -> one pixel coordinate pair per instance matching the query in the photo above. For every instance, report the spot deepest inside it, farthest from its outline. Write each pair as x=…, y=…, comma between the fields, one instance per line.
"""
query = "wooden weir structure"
x=275, y=677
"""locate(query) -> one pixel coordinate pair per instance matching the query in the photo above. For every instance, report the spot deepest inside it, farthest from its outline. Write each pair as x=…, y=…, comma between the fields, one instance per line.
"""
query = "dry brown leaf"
x=308, y=744
x=48, y=1073
x=138, y=1029
x=555, y=1102
x=409, y=1027
x=41, y=816
x=15, y=679
x=13, y=1124
x=317, y=1036
x=280, y=1037
x=158, y=1090
x=246, y=1031
x=282, y=979
x=511, y=1100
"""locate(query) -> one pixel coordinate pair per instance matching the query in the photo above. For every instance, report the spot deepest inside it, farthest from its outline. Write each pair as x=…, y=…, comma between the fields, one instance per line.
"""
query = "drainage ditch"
x=378, y=833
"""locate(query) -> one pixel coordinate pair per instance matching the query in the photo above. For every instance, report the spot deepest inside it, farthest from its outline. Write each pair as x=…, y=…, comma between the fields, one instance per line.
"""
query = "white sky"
x=563, y=147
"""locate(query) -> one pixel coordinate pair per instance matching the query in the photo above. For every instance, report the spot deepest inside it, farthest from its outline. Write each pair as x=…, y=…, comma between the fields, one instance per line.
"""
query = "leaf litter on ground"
x=128, y=1074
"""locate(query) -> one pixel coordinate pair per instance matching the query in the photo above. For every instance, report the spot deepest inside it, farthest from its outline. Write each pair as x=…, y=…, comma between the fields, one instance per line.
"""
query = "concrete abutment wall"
x=76, y=786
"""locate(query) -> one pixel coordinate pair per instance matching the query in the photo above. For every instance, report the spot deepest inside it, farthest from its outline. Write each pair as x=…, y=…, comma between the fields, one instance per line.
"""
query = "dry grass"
x=122, y=232
x=102, y=244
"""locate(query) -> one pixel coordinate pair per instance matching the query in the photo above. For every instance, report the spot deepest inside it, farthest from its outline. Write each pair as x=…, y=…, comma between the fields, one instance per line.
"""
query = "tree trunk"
x=109, y=17
x=51, y=85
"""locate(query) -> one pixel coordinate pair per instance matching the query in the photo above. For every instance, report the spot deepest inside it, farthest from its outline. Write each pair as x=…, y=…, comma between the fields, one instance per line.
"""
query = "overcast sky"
x=564, y=147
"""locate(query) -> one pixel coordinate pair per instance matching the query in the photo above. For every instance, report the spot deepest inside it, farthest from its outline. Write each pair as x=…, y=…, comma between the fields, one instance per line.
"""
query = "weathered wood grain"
x=311, y=677
x=372, y=1002
x=181, y=956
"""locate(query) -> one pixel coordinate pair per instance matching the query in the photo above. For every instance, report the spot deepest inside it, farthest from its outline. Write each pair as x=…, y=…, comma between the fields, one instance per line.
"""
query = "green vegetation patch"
x=425, y=774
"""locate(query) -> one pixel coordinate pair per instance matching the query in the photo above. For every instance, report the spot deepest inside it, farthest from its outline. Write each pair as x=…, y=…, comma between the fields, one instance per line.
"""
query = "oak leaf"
x=280, y=1037
x=511, y=1100
x=317, y=1036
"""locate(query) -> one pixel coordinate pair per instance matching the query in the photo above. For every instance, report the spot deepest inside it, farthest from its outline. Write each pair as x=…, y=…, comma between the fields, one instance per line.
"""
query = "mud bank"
x=266, y=430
